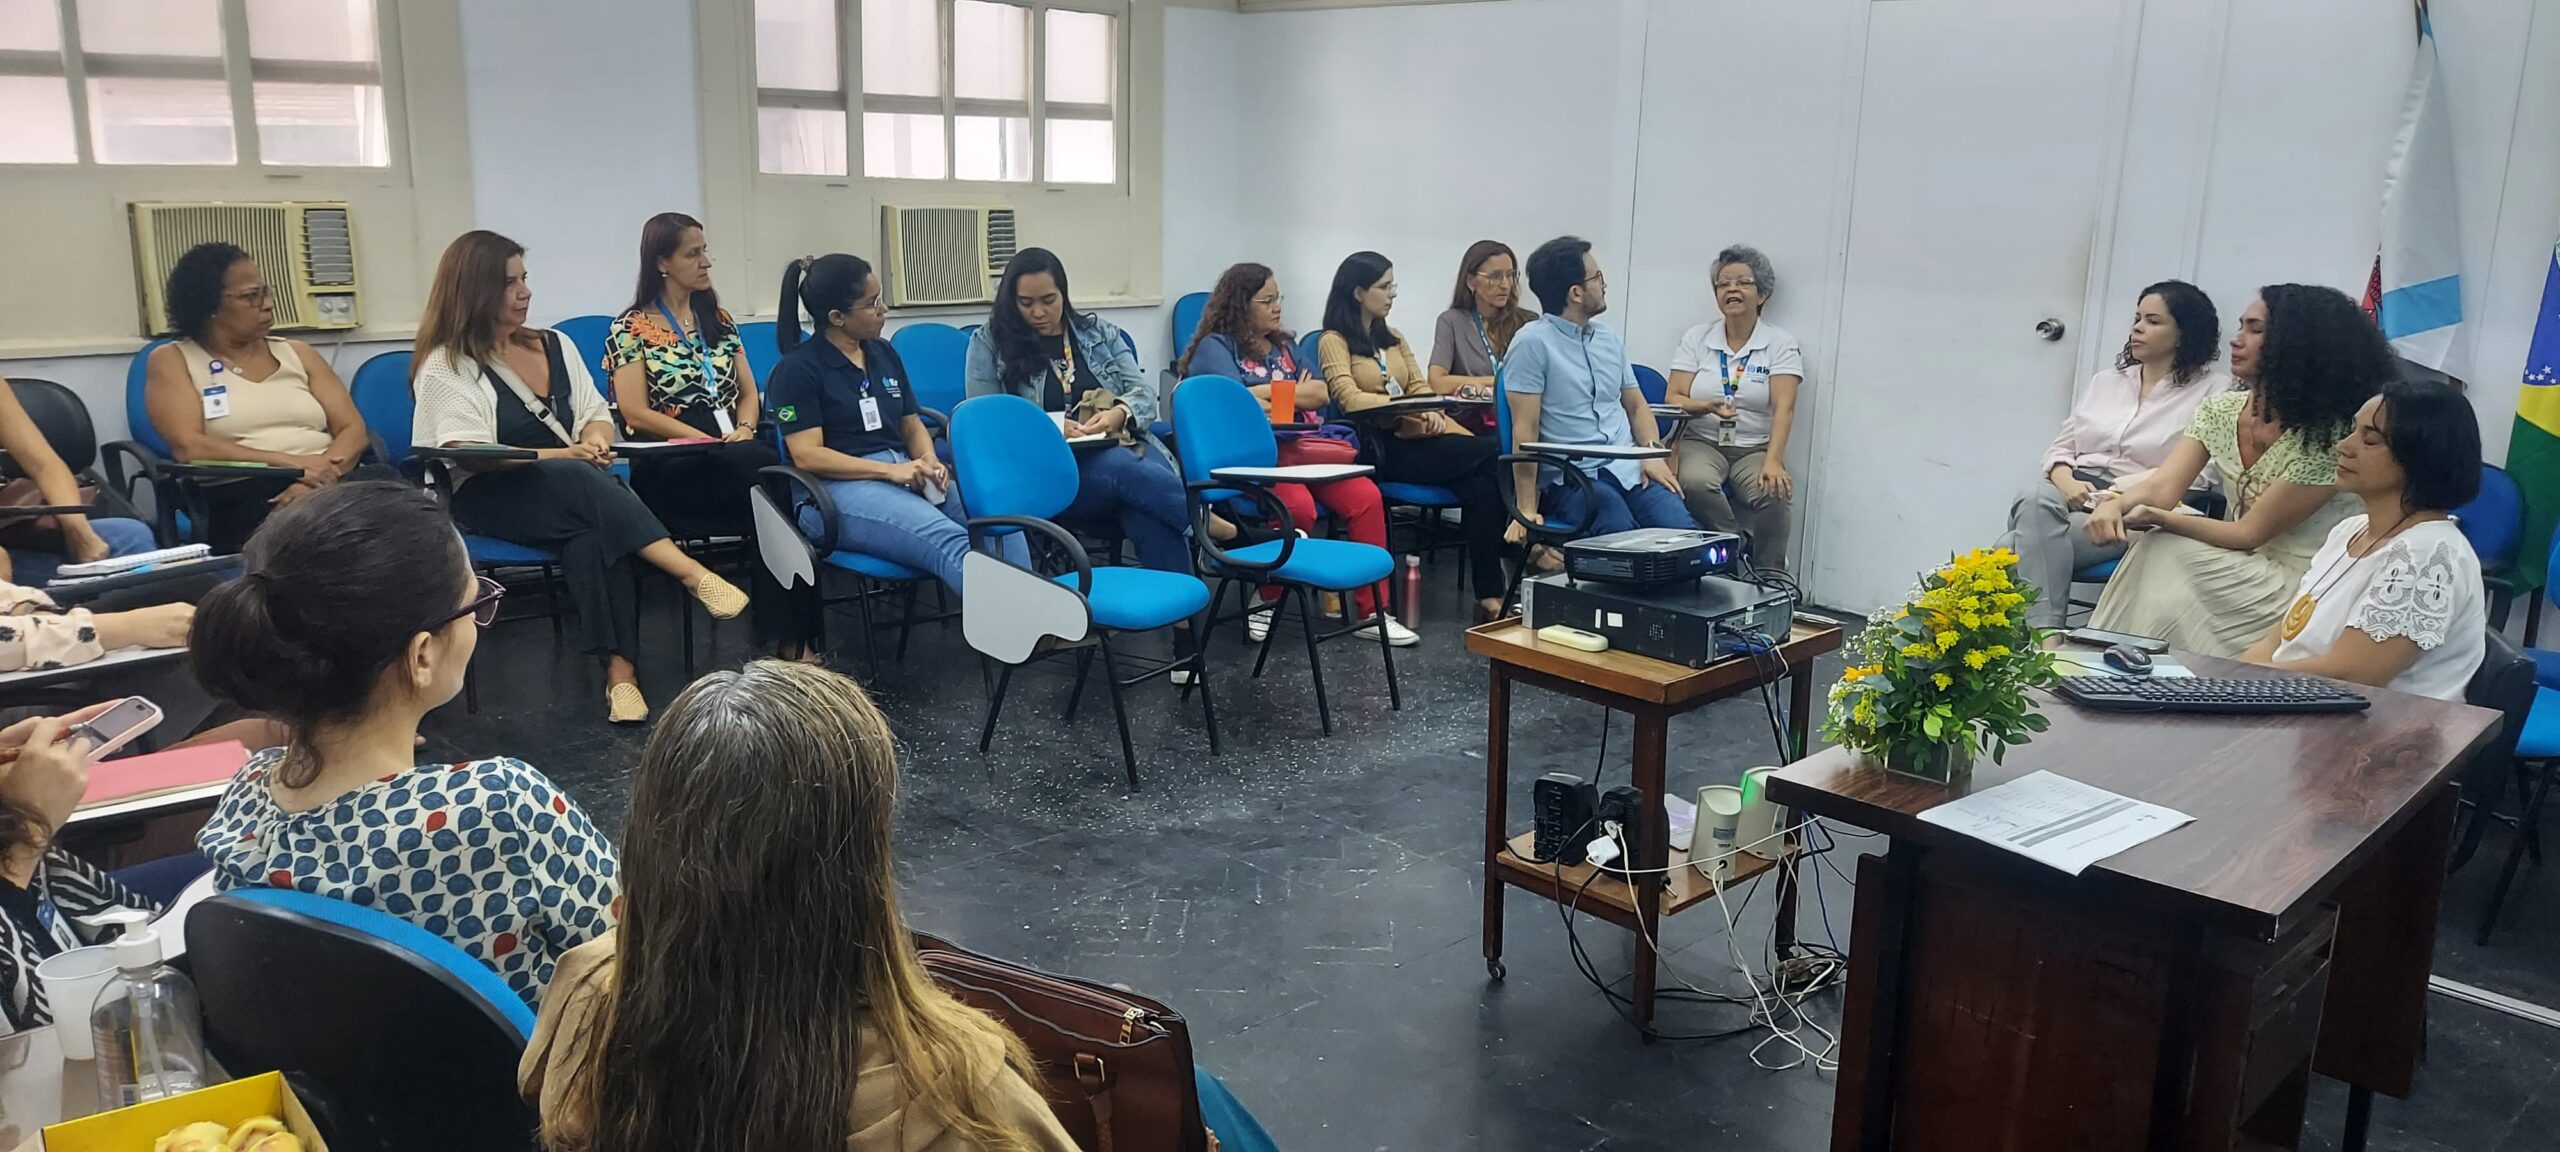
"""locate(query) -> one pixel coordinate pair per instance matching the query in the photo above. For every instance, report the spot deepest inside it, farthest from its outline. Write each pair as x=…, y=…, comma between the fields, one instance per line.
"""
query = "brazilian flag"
x=2533, y=455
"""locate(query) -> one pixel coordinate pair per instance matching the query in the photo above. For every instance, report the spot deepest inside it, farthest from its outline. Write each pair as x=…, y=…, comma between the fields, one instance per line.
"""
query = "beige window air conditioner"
x=307, y=250
x=944, y=255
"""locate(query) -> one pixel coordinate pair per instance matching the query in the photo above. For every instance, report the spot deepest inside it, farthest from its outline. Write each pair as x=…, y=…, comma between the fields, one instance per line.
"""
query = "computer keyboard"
x=2209, y=694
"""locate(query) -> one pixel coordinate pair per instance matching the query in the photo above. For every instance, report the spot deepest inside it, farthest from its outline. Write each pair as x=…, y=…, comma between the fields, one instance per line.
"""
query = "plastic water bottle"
x=1409, y=588
x=148, y=1028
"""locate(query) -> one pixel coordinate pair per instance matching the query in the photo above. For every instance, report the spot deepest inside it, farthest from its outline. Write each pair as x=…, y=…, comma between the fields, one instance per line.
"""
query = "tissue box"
x=133, y=1129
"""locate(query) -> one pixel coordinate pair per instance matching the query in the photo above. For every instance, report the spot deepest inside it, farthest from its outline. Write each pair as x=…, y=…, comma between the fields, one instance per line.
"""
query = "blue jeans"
x=124, y=537
x=1141, y=491
x=878, y=518
x=1649, y=506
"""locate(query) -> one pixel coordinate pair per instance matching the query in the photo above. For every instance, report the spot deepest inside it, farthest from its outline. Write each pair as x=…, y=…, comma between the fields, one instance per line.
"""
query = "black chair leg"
x=2533, y=619
x=995, y=705
x=1387, y=652
x=685, y=610
x=1120, y=712
x=1084, y=667
x=870, y=634
x=551, y=597
x=1269, y=634
x=2359, y=1118
x=1200, y=675
x=2529, y=813
x=1315, y=661
x=907, y=619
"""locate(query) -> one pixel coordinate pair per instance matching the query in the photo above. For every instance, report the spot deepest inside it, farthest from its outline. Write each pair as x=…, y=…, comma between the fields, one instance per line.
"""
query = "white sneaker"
x=1398, y=636
x=1257, y=624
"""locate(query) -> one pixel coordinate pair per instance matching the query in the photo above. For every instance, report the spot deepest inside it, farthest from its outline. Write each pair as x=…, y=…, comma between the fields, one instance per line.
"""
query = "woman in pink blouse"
x=2122, y=425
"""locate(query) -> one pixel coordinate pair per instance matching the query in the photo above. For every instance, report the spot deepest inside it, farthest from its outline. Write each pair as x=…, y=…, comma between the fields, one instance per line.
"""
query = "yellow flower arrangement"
x=1950, y=665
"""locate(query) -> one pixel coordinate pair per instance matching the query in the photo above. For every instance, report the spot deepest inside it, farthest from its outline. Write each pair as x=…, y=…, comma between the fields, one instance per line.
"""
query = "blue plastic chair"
x=1019, y=475
x=1186, y=320
x=756, y=337
x=413, y=1043
x=786, y=504
x=588, y=333
x=1395, y=493
x=2494, y=523
x=1223, y=426
x=136, y=462
x=1657, y=390
x=936, y=356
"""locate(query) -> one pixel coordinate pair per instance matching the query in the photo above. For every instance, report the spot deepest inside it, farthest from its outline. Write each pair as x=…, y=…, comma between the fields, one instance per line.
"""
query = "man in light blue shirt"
x=1568, y=381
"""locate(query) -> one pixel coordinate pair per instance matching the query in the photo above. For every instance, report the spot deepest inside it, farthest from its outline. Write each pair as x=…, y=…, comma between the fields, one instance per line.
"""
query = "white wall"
x=2252, y=152
x=1409, y=131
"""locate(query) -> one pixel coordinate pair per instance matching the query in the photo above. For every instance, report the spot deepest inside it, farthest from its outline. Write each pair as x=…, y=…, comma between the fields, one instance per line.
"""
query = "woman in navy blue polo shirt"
x=849, y=418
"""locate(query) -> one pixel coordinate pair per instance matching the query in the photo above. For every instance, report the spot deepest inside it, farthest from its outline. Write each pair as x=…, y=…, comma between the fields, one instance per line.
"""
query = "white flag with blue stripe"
x=2419, y=270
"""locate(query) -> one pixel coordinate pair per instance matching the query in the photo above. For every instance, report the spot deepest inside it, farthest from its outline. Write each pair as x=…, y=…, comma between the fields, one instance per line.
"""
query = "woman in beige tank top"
x=229, y=389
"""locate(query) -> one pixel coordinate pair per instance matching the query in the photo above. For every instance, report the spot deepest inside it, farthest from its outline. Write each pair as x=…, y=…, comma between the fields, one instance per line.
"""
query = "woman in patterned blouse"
x=356, y=614
x=679, y=372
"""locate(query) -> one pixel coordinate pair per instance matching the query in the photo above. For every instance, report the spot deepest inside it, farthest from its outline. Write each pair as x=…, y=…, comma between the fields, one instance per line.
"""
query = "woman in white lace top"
x=2393, y=599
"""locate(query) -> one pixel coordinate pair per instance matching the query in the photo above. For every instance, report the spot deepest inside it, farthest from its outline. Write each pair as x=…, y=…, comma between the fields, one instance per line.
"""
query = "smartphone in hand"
x=117, y=726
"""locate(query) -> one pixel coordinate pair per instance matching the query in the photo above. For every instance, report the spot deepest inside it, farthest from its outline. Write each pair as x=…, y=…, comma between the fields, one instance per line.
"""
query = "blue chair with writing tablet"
x=1229, y=455
x=1019, y=475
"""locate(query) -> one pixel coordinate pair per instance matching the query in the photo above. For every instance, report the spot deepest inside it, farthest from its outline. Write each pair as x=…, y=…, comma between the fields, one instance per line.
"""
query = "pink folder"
x=152, y=774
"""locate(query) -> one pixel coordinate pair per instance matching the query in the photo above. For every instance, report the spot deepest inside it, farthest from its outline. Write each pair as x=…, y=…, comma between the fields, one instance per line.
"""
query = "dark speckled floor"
x=1311, y=903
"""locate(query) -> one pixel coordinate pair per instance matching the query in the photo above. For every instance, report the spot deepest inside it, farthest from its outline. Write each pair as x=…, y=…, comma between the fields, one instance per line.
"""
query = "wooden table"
x=1652, y=691
x=2180, y=993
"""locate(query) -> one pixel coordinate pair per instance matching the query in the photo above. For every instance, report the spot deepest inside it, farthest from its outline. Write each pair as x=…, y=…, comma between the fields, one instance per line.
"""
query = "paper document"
x=2055, y=821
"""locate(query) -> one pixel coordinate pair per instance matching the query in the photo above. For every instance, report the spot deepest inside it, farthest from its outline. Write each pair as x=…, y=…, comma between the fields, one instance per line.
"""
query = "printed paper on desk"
x=2055, y=821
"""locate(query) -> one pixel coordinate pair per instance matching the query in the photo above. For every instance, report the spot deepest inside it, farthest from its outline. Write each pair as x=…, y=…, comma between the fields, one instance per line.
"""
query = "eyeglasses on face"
x=483, y=608
x=1503, y=277
x=1745, y=282
x=258, y=295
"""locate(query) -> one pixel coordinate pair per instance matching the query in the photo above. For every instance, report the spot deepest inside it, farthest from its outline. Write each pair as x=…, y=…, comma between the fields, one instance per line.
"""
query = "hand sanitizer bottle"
x=148, y=1028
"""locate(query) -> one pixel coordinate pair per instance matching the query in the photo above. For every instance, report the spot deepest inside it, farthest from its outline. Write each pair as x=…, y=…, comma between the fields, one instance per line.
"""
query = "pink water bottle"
x=1409, y=589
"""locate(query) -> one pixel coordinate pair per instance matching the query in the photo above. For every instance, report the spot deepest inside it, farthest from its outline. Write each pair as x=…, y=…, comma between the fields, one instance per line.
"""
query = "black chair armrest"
x=146, y=471
x=796, y=488
x=477, y=453
x=1199, y=490
x=31, y=511
x=1065, y=540
x=1573, y=478
x=939, y=423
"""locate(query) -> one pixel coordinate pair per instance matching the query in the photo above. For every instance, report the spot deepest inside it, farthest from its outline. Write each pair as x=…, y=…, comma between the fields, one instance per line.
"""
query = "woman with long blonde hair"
x=762, y=993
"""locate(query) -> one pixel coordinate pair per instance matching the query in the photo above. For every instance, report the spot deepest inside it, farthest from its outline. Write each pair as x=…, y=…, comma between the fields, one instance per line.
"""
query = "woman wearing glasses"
x=1469, y=340
x=1737, y=378
x=355, y=615
x=228, y=388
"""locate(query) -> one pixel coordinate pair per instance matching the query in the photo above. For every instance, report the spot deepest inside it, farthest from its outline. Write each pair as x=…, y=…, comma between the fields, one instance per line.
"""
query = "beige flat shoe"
x=720, y=596
x=623, y=704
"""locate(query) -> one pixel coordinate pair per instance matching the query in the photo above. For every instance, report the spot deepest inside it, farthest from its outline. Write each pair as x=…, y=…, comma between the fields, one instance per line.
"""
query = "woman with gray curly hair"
x=1737, y=379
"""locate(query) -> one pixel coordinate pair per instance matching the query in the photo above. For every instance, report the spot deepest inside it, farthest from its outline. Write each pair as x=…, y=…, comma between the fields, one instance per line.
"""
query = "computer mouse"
x=2129, y=660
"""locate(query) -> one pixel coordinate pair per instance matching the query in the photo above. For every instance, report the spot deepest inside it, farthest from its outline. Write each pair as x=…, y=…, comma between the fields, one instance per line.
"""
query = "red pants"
x=1357, y=504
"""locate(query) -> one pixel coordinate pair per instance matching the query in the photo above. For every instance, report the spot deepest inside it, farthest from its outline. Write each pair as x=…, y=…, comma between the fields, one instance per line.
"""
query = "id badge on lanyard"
x=1732, y=370
x=217, y=395
x=1485, y=338
x=702, y=355
x=1388, y=378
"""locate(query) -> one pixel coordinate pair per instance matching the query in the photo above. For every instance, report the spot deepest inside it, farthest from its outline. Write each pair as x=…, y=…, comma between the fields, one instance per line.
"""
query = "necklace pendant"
x=2298, y=617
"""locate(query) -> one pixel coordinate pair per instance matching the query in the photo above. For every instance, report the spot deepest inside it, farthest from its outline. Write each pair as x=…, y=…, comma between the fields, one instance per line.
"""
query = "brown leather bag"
x=1114, y=1065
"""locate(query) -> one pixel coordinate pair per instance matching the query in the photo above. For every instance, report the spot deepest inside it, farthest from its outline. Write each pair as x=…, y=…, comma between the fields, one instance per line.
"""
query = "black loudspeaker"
x=1564, y=803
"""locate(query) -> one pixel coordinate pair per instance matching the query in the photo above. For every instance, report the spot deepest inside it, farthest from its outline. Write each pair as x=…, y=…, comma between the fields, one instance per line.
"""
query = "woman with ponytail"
x=356, y=614
x=849, y=417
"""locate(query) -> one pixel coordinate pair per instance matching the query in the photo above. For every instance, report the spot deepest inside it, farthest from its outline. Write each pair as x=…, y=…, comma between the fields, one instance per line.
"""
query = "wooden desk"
x=2167, y=998
x=1652, y=691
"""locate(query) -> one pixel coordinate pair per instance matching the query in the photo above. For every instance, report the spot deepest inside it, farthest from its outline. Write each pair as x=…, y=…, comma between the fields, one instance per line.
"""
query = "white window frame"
x=1112, y=235
x=853, y=101
x=405, y=210
x=75, y=64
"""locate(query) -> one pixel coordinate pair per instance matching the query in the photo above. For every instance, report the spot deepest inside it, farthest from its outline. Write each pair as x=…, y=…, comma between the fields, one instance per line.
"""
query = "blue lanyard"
x=1487, y=341
x=701, y=351
x=1732, y=376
